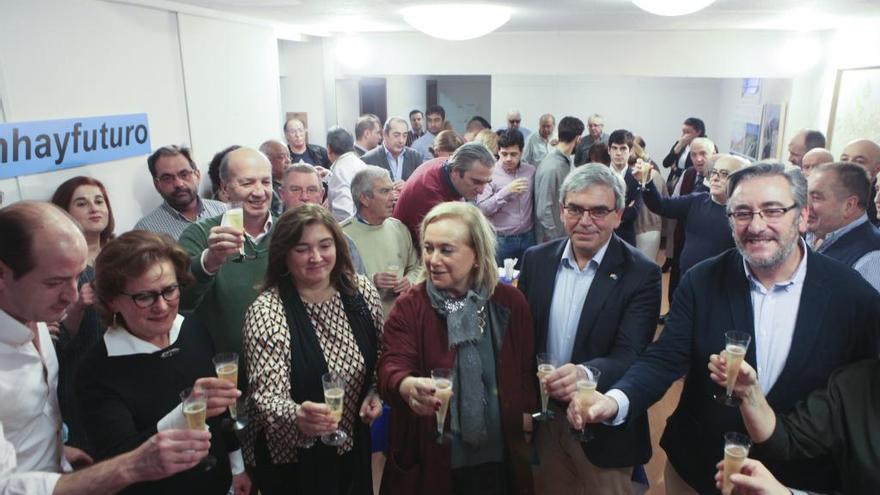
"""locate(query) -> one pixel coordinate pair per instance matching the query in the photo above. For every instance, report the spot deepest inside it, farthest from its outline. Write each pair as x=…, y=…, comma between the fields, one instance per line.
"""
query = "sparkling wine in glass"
x=736, y=449
x=226, y=366
x=334, y=397
x=583, y=396
x=736, y=345
x=234, y=217
x=442, y=379
x=195, y=410
x=546, y=365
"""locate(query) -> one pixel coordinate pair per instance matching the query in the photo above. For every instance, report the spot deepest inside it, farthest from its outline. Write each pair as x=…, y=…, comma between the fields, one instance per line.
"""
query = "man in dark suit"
x=597, y=305
x=619, y=147
x=393, y=155
x=806, y=313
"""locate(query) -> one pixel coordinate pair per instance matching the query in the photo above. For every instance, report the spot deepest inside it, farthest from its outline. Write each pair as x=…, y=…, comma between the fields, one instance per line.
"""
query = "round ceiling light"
x=672, y=7
x=456, y=22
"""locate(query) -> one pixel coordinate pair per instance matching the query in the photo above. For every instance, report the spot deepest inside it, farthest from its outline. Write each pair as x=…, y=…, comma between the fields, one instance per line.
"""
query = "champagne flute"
x=226, y=365
x=234, y=217
x=546, y=365
x=736, y=344
x=442, y=379
x=334, y=397
x=736, y=449
x=195, y=411
x=583, y=395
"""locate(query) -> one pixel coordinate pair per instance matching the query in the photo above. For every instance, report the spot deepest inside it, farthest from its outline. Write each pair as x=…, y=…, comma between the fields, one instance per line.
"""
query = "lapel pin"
x=613, y=276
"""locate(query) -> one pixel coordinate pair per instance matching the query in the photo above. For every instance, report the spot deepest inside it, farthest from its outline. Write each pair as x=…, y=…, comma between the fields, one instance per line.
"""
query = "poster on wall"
x=36, y=147
x=746, y=134
x=855, y=109
x=772, y=130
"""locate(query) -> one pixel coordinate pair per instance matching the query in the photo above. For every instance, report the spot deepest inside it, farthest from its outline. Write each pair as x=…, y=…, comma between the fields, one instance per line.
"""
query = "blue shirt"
x=569, y=293
x=868, y=265
x=396, y=165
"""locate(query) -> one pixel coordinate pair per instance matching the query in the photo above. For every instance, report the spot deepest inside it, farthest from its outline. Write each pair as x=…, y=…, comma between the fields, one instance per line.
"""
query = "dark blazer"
x=617, y=322
x=838, y=322
x=411, y=161
x=627, y=228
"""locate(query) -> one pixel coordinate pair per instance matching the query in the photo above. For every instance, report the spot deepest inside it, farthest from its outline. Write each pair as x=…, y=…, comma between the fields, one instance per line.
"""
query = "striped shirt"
x=167, y=220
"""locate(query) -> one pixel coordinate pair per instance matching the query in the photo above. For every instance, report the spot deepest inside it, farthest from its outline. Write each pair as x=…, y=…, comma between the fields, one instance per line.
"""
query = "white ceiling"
x=325, y=17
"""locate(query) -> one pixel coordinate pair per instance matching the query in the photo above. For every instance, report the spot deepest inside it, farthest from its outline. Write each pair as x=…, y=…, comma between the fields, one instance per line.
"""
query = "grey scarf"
x=463, y=317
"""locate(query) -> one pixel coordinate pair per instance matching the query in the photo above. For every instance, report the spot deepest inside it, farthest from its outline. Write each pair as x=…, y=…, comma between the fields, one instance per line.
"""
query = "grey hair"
x=706, y=142
x=464, y=158
x=547, y=116
x=387, y=128
x=301, y=168
x=266, y=147
x=595, y=116
x=594, y=174
x=772, y=168
x=362, y=183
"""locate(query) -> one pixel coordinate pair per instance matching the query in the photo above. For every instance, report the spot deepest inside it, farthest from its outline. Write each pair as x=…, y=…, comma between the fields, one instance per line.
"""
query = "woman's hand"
x=753, y=479
x=371, y=408
x=241, y=484
x=418, y=393
x=221, y=394
x=314, y=419
x=746, y=379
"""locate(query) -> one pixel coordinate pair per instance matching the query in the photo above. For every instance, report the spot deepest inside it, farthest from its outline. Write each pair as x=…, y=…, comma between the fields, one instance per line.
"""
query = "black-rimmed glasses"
x=597, y=213
x=767, y=214
x=146, y=299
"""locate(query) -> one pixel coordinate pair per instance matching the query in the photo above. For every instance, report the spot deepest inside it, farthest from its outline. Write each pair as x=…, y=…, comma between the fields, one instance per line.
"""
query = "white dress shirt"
x=569, y=293
x=121, y=342
x=339, y=186
x=30, y=436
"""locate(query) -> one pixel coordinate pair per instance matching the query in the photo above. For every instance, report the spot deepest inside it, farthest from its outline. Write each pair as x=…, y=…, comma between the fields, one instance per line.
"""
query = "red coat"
x=414, y=342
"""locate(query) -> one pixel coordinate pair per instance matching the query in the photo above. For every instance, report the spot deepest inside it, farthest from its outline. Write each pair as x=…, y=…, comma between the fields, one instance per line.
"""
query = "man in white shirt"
x=340, y=149
x=41, y=257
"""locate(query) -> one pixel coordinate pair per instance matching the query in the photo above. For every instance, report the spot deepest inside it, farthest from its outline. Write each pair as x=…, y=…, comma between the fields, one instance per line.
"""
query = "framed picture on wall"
x=855, y=108
x=772, y=130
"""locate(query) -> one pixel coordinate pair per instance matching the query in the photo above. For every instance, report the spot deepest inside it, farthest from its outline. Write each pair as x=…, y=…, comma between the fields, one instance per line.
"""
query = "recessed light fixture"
x=456, y=21
x=672, y=7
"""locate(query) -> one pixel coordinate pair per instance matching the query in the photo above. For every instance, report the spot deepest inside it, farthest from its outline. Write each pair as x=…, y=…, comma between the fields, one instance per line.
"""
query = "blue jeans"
x=513, y=246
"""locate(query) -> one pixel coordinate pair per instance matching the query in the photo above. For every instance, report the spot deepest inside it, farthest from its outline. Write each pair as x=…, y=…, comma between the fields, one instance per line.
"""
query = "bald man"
x=41, y=256
x=803, y=141
x=866, y=154
x=228, y=263
x=814, y=158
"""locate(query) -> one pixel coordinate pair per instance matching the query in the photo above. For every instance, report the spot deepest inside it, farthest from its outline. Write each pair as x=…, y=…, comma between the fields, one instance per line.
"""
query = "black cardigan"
x=123, y=397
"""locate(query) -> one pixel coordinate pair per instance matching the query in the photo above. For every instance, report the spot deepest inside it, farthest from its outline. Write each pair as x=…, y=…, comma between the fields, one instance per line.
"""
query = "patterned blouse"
x=266, y=344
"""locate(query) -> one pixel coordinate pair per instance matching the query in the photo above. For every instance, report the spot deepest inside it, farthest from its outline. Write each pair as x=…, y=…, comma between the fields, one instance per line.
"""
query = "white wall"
x=730, y=97
x=404, y=94
x=81, y=58
x=232, y=85
x=348, y=103
x=463, y=97
x=303, y=86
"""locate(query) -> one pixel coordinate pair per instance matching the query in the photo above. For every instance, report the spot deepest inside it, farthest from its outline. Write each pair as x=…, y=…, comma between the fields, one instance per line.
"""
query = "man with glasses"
x=595, y=301
x=300, y=150
x=176, y=179
x=807, y=315
x=514, y=121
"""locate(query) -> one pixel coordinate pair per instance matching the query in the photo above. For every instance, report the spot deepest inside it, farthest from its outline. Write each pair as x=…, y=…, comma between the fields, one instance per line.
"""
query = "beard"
x=181, y=198
x=787, y=244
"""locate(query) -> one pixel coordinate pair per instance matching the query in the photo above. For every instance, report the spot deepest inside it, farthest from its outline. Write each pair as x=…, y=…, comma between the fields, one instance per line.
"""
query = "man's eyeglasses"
x=597, y=213
x=514, y=121
x=311, y=191
x=144, y=300
x=767, y=214
x=183, y=175
x=722, y=174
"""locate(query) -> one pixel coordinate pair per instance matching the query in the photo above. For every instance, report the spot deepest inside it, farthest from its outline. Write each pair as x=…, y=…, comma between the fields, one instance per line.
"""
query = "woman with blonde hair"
x=462, y=320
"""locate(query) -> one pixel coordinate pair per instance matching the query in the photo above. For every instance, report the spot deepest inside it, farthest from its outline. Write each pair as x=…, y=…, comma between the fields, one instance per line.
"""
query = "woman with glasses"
x=314, y=316
x=707, y=229
x=129, y=384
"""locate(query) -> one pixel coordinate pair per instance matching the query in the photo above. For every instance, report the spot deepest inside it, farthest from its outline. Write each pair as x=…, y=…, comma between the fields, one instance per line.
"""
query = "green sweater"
x=381, y=245
x=221, y=300
x=842, y=421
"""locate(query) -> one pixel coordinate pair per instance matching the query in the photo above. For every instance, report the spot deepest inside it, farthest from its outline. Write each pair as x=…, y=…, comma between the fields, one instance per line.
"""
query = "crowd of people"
x=418, y=311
